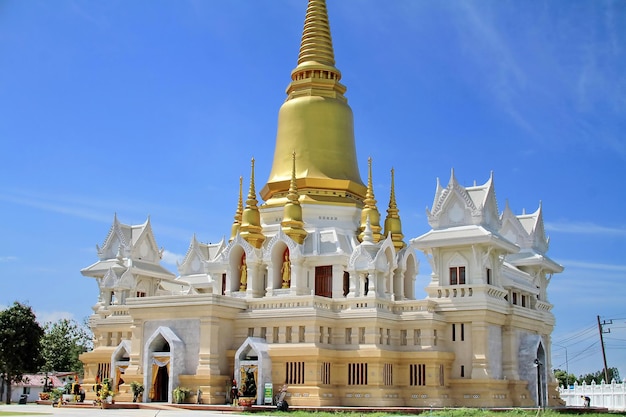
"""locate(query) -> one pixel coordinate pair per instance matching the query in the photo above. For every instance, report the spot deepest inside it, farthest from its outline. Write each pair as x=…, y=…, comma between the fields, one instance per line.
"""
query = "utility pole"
x=606, y=369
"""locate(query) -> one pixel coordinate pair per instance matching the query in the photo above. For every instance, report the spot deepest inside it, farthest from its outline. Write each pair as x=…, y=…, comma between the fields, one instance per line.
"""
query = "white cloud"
x=171, y=258
x=8, y=258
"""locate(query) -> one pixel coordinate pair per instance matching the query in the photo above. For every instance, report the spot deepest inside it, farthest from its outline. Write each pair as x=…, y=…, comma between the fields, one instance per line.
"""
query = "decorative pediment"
x=127, y=281
x=281, y=239
x=511, y=229
x=110, y=279
x=250, y=251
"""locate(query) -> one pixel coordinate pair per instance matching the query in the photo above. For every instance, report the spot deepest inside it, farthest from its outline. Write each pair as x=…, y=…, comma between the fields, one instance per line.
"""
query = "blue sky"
x=154, y=108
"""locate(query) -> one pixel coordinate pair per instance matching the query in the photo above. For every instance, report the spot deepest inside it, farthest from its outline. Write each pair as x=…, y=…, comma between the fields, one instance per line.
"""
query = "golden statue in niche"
x=286, y=270
x=244, y=274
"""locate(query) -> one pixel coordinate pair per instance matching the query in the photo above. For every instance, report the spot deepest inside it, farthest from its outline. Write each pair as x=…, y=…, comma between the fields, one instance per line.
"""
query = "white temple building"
x=316, y=291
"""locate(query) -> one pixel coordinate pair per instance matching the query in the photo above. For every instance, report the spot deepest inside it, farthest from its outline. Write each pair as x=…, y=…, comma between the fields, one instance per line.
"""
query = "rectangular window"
x=325, y=373
x=388, y=336
x=330, y=335
x=275, y=334
x=301, y=330
x=457, y=275
x=388, y=374
x=435, y=337
x=361, y=334
x=489, y=276
x=141, y=294
x=462, y=331
x=453, y=332
x=223, y=284
x=348, y=336
x=294, y=372
x=324, y=281
x=357, y=374
x=26, y=390
x=441, y=375
x=321, y=334
x=462, y=371
x=403, y=338
x=515, y=298
x=250, y=331
x=417, y=374
x=380, y=335
x=417, y=337
x=523, y=300
x=288, y=334
x=263, y=332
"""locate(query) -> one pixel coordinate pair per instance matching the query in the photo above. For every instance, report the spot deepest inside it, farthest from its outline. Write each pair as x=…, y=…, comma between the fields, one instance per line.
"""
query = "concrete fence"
x=611, y=396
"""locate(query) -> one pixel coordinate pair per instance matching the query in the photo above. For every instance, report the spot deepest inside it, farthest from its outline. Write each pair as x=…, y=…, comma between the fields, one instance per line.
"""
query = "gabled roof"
x=201, y=252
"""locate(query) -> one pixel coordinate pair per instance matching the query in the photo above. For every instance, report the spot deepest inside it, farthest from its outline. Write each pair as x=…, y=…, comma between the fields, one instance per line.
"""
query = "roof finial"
x=237, y=223
x=370, y=211
x=393, y=224
x=250, y=228
x=292, y=223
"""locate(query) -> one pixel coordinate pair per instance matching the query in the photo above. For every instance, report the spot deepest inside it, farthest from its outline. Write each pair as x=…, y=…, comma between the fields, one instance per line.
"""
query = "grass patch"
x=449, y=412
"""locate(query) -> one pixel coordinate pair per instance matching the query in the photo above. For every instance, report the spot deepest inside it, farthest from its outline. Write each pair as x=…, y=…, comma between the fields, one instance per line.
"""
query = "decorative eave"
x=535, y=260
x=461, y=236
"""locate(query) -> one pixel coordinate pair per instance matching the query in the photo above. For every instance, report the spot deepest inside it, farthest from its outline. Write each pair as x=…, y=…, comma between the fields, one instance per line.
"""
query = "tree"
x=563, y=378
x=20, y=335
x=62, y=344
x=598, y=376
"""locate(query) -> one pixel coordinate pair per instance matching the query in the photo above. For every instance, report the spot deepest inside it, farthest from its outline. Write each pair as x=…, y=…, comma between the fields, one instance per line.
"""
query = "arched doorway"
x=163, y=362
x=161, y=383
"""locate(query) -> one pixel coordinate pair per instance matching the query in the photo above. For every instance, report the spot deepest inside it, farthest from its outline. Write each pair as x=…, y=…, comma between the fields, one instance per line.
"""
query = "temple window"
x=325, y=373
x=388, y=374
x=357, y=374
x=417, y=374
x=457, y=275
x=294, y=373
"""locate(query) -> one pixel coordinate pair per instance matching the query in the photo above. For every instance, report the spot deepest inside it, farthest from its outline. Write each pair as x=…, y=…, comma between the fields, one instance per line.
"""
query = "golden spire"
x=370, y=211
x=393, y=224
x=316, y=122
x=250, y=228
x=237, y=223
x=292, y=223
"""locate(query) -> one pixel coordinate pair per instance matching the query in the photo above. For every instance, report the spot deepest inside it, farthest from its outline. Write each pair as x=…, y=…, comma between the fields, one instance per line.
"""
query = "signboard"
x=268, y=393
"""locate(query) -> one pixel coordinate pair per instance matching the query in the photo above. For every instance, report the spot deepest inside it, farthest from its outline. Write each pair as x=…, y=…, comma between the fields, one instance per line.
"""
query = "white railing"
x=611, y=396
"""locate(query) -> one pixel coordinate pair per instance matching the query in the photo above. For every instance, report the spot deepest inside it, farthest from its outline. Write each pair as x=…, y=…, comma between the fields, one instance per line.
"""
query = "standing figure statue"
x=286, y=271
x=244, y=274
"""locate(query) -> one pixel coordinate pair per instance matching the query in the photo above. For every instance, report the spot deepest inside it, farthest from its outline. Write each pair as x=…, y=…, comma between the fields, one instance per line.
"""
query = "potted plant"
x=181, y=394
x=137, y=390
x=106, y=393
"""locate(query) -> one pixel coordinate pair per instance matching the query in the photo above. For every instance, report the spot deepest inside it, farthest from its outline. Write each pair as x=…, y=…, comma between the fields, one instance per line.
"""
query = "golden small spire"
x=250, y=228
x=237, y=223
x=370, y=212
x=393, y=224
x=292, y=223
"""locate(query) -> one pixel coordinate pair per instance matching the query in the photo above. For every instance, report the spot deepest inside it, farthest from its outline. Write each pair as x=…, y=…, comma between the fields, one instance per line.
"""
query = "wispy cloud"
x=585, y=228
x=8, y=259
x=68, y=207
x=52, y=316
x=592, y=265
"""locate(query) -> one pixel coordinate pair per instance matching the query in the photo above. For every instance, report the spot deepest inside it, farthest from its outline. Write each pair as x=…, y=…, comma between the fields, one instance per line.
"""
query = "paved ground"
x=35, y=410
